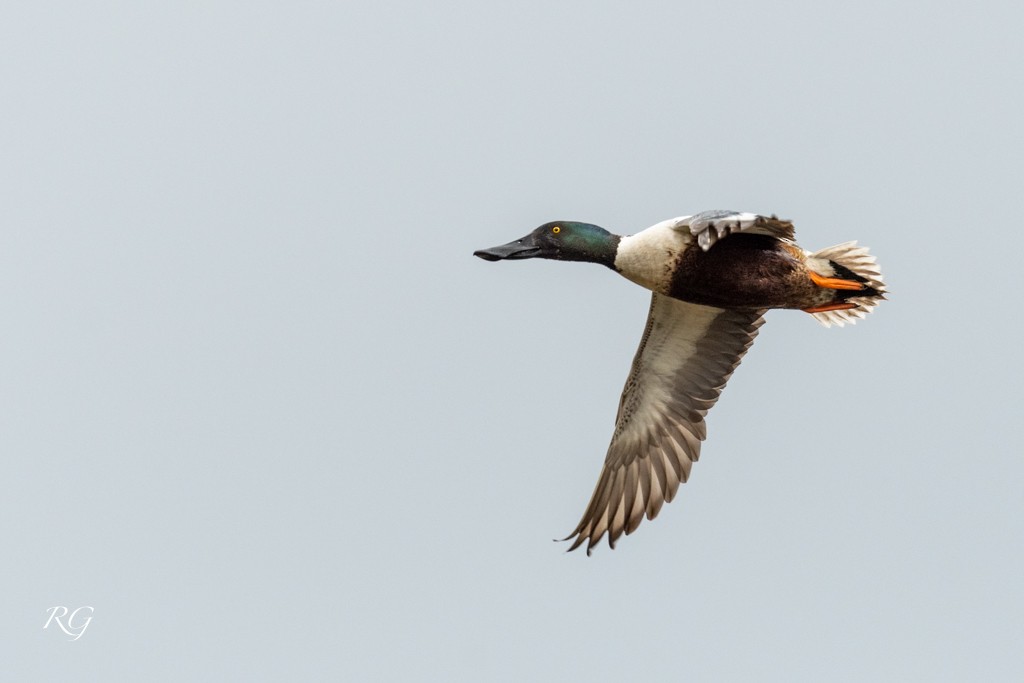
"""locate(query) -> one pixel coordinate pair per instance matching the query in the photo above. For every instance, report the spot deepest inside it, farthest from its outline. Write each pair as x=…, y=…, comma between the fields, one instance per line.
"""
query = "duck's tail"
x=848, y=262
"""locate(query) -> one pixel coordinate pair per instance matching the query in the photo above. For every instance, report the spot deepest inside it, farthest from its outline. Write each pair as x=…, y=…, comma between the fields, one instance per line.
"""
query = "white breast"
x=649, y=257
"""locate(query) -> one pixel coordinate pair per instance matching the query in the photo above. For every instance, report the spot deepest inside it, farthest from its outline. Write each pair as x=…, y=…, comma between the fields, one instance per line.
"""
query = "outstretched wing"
x=710, y=226
x=687, y=354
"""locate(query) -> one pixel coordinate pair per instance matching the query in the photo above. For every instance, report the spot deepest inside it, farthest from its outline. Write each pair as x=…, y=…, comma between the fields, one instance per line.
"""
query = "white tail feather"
x=858, y=261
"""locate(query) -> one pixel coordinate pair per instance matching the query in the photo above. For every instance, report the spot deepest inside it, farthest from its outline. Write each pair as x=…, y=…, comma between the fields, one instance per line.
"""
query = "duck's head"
x=560, y=240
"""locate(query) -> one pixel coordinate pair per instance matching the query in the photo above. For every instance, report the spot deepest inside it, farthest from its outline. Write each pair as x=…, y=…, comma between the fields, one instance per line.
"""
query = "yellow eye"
x=556, y=230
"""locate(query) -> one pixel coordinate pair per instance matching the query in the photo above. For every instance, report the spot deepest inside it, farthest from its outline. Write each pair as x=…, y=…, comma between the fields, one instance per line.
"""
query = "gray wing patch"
x=710, y=226
x=686, y=355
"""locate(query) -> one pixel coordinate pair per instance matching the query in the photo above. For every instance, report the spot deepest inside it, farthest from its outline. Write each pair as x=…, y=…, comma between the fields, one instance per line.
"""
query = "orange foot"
x=834, y=282
x=840, y=306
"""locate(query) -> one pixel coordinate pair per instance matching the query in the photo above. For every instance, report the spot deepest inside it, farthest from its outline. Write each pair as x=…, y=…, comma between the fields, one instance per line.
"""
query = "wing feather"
x=687, y=354
x=710, y=226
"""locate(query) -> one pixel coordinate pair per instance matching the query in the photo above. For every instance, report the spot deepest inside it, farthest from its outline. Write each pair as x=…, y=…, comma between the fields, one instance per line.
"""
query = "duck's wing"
x=710, y=226
x=686, y=356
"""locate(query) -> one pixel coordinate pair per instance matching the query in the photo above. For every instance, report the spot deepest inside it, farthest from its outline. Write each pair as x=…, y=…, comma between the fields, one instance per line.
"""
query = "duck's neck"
x=591, y=243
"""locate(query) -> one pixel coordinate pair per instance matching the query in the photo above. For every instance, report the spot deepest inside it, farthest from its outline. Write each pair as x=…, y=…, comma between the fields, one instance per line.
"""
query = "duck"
x=713, y=276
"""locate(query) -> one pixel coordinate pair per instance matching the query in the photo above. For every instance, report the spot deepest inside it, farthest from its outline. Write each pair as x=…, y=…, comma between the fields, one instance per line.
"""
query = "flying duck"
x=713, y=274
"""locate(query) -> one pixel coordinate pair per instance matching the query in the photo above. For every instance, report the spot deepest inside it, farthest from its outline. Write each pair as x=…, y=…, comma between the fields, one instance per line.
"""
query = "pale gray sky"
x=263, y=410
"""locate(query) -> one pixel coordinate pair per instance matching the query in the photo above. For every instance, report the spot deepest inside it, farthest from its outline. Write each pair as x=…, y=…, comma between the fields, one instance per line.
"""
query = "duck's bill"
x=520, y=249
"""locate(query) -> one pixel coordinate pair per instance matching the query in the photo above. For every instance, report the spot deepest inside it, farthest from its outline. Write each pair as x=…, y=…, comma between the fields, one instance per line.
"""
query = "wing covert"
x=710, y=226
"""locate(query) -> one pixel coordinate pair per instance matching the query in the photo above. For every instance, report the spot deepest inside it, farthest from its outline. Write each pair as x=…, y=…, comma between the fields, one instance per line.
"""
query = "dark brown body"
x=746, y=272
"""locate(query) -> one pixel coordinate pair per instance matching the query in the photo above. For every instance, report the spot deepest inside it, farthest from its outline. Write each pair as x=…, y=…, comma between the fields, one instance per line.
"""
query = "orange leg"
x=834, y=282
x=840, y=306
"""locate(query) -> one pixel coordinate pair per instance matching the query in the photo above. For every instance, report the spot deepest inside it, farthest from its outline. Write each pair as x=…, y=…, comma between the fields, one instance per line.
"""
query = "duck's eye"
x=556, y=230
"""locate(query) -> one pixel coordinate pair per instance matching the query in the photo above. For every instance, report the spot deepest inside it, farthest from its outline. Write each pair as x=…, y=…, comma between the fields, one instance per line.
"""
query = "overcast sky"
x=262, y=410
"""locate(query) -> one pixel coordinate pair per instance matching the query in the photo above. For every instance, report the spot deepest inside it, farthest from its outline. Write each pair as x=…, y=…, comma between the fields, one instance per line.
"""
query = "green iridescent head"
x=561, y=240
